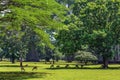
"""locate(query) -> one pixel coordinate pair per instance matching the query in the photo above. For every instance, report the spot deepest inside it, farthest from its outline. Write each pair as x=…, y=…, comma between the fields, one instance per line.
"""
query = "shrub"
x=83, y=56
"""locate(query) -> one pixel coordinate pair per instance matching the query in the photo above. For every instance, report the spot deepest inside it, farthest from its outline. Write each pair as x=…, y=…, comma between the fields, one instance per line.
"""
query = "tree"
x=101, y=25
x=37, y=15
x=83, y=56
x=69, y=42
x=71, y=39
x=10, y=43
x=57, y=54
x=33, y=41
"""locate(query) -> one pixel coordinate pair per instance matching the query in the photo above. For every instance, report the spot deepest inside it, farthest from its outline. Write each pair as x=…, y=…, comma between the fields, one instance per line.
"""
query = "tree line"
x=69, y=29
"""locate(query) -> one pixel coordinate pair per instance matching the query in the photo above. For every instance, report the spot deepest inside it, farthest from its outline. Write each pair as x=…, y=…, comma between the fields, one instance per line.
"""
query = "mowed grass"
x=10, y=71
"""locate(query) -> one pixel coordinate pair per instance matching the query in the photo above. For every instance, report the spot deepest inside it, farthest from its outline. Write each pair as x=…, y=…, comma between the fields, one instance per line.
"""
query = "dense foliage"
x=23, y=24
x=98, y=25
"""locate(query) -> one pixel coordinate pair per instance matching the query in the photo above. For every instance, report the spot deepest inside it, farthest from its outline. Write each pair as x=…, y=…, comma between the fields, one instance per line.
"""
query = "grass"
x=20, y=75
x=10, y=71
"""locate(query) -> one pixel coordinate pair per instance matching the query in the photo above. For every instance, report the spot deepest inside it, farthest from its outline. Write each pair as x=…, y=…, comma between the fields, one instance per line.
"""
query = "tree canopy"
x=22, y=20
x=98, y=23
x=35, y=14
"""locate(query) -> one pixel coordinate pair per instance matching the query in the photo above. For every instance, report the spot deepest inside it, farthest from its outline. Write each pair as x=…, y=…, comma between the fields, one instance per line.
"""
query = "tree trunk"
x=21, y=61
x=13, y=58
x=1, y=59
x=105, y=62
x=47, y=59
x=69, y=58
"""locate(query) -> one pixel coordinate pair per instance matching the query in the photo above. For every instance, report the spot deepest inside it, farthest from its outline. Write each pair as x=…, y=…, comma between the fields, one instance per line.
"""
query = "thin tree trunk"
x=21, y=61
x=1, y=59
x=13, y=58
x=105, y=62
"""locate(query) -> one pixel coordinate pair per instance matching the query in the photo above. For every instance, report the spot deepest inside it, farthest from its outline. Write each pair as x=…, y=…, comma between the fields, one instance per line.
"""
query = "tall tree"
x=35, y=14
x=94, y=25
x=101, y=21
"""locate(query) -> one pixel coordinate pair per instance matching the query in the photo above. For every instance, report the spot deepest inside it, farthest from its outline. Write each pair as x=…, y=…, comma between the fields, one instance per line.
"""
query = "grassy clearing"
x=10, y=71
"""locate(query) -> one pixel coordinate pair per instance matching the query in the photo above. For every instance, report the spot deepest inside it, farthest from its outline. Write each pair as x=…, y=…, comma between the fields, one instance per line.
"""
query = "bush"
x=84, y=56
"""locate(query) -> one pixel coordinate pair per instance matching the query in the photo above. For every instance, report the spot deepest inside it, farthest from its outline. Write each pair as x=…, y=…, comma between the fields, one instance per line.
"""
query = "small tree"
x=57, y=55
x=85, y=57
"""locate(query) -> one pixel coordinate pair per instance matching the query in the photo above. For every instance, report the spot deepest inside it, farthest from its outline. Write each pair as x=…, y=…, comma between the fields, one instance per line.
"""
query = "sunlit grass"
x=10, y=71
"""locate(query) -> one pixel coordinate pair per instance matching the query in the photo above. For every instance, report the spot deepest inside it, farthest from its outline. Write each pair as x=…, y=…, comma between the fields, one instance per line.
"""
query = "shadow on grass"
x=14, y=66
x=20, y=75
x=9, y=66
x=91, y=68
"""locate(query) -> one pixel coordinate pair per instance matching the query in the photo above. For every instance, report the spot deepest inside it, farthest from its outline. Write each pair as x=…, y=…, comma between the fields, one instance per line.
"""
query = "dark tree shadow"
x=15, y=66
x=91, y=68
x=20, y=75
x=9, y=66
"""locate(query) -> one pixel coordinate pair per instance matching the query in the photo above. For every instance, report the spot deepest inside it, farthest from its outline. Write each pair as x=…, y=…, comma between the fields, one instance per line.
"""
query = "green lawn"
x=10, y=71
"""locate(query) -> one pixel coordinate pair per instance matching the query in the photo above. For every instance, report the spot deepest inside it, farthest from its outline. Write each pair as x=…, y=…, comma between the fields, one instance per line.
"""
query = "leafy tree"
x=35, y=14
x=101, y=25
x=57, y=55
x=83, y=56
x=93, y=25
x=33, y=41
x=70, y=40
x=11, y=43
